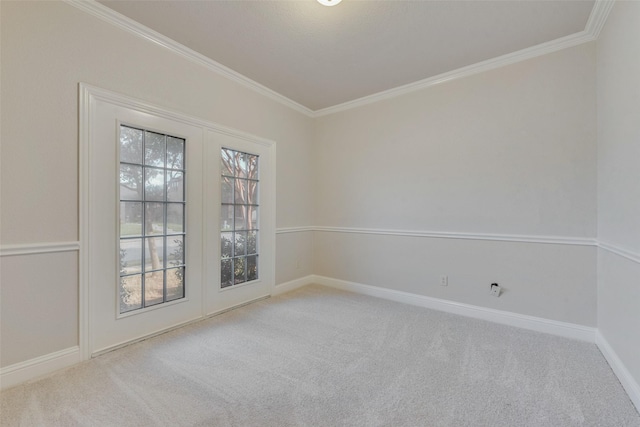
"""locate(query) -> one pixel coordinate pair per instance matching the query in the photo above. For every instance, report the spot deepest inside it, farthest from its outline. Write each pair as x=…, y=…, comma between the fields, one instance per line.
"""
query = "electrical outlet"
x=444, y=280
x=298, y=264
x=495, y=289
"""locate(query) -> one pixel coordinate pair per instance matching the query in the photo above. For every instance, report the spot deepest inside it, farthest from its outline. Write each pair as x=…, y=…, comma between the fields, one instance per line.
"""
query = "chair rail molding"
x=288, y=230
x=520, y=238
x=617, y=250
x=38, y=248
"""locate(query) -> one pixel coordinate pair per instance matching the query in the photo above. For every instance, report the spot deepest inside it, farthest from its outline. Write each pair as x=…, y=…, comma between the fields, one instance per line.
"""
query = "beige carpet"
x=321, y=357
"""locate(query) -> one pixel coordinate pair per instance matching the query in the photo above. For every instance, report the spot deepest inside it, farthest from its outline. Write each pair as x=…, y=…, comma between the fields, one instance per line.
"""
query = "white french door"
x=157, y=209
x=117, y=244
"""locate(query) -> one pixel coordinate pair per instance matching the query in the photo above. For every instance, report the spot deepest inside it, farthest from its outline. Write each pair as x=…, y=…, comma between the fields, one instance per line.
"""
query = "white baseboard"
x=44, y=365
x=38, y=367
x=293, y=285
x=563, y=329
x=626, y=379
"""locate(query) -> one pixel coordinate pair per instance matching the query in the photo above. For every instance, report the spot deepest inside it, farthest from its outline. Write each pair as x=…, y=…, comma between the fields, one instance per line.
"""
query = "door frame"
x=89, y=96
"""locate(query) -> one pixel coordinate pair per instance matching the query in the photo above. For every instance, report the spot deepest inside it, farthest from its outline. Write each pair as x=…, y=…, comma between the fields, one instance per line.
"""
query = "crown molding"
x=106, y=14
x=88, y=92
x=597, y=19
x=469, y=70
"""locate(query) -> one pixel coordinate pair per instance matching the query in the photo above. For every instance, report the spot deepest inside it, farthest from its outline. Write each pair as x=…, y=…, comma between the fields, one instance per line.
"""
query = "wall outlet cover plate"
x=495, y=290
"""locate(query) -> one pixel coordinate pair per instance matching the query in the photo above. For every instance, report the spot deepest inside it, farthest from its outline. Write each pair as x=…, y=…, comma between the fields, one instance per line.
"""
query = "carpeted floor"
x=322, y=357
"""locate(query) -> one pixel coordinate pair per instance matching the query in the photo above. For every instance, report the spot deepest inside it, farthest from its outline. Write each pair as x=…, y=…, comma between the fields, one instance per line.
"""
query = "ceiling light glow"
x=329, y=2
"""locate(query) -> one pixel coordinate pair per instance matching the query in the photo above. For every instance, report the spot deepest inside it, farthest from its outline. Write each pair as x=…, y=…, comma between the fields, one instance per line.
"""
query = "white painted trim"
x=38, y=367
x=520, y=238
x=84, y=148
x=594, y=25
x=596, y=21
x=556, y=240
x=598, y=17
x=469, y=70
x=112, y=17
x=39, y=248
x=563, y=329
x=101, y=351
x=44, y=365
x=88, y=95
x=92, y=93
x=239, y=305
x=630, y=385
x=292, y=285
x=174, y=327
x=286, y=230
x=625, y=253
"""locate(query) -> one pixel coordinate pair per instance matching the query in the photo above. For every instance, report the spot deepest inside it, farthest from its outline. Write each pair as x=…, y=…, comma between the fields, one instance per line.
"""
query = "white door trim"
x=88, y=96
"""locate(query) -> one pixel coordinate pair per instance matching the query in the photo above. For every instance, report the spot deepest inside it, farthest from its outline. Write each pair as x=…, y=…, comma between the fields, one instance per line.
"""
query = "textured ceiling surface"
x=323, y=56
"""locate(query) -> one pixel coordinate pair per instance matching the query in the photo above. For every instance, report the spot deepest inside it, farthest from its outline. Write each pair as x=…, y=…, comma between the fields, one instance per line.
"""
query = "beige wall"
x=512, y=151
x=619, y=184
x=509, y=151
x=549, y=281
x=47, y=49
x=39, y=305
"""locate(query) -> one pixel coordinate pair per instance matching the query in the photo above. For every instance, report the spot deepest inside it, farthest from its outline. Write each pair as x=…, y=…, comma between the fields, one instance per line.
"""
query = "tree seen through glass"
x=239, y=217
x=152, y=206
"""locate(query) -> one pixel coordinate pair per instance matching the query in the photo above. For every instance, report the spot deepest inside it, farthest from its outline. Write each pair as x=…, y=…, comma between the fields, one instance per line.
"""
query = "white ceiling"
x=323, y=56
